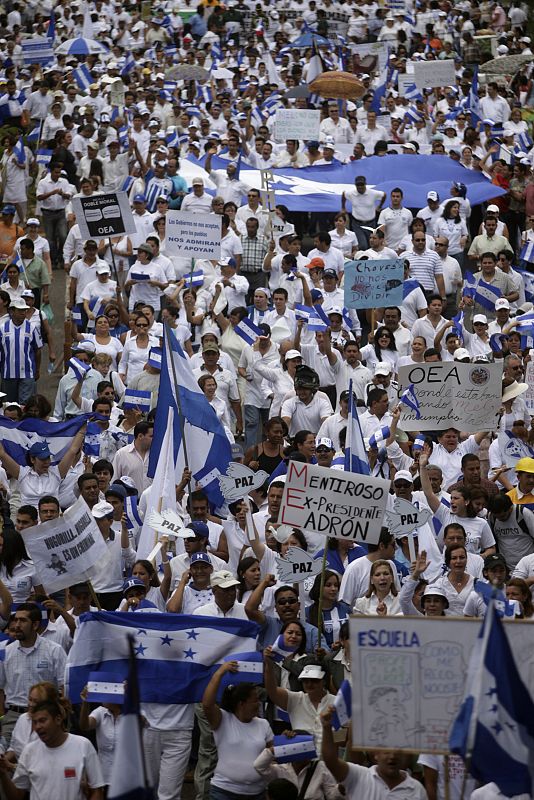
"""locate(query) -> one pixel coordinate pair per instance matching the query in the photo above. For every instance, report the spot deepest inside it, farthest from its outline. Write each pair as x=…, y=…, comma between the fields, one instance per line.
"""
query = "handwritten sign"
x=297, y=566
x=296, y=124
x=412, y=674
x=434, y=73
x=67, y=550
x=343, y=505
x=191, y=234
x=452, y=395
x=374, y=283
x=239, y=481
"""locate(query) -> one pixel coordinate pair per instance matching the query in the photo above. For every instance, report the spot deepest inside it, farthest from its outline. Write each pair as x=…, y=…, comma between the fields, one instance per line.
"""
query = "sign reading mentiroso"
x=343, y=505
x=194, y=235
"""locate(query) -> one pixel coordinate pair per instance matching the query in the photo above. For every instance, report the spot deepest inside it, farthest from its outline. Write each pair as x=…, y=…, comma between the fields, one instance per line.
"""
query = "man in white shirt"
x=425, y=265
x=332, y=257
x=377, y=415
x=198, y=200
x=431, y=212
x=493, y=105
x=371, y=134
x=257, y=401
x=452, y=275
x=430, y=324
x=336, y=127
x=310, y=407
x=395, y=220
x=449, y=451
x=366, y=204
x=352, y=369
x=229, y=187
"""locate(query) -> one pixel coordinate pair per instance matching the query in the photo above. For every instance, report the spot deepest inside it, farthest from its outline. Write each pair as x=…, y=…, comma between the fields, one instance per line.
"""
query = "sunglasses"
x=287, y=601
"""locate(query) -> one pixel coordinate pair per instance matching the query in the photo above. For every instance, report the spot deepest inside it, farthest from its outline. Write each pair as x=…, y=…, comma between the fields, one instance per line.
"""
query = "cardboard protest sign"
x=102, y=215
x=192, y=234
x=434, y=73
x=373, y=283
x=452, y=395
x=67, y=550
x=37, y=50
x=292, y=123
x=411, y=677
x=297, y=565
x=343, y=505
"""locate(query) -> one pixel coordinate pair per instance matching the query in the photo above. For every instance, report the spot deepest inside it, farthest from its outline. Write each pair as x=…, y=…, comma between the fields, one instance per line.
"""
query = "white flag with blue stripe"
x=18, y=437
x=342, y=706
x=355, y=456
x=78, y=367
x=409, y=398
x=83, y=77
x=137, y=398
x=527, y=252
x=494, y=729
x=287, y=749
x=379, y=436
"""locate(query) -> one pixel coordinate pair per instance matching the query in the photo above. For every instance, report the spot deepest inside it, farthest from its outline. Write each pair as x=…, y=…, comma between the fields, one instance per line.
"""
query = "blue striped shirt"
x=17, y=349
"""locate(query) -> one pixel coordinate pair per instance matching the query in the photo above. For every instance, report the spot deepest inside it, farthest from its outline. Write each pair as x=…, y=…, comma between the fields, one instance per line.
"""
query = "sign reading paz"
x=452, y=395
x=240, y=480
x=193, y=235
x=297, y=566
x=406, y=517
x=343, y=505
x=67, y=550
x=373, y=284
x=104, y=215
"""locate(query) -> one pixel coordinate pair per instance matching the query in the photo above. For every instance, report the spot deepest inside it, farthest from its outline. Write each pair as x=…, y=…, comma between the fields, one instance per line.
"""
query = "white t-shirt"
x=21, y=581
x=57, y=772
x=364, y=782
x=478, y=533
x=106, y=731
x=238, y=746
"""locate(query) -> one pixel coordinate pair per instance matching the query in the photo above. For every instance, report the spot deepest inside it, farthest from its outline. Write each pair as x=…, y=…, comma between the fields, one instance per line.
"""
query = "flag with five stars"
x=176, y=654
x=494, y=729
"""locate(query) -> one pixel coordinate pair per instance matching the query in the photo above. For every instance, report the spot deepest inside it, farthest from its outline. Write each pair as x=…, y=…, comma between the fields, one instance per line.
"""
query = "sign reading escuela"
x=373, y=283
x=193, y=235
x=296, y=123
x=343, y=505
x=67, y=550
x=104, y=215
x=452, y=395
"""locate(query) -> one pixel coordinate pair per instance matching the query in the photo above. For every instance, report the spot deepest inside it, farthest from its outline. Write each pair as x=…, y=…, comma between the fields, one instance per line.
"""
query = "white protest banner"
x=297, y=565
x=529, y=394
x=293, y=123
x=434, y=73
x=239, y=481
x=37, y=50
x=343, y=505
x=191, y=234
x=374, y=55
x=117, y=91
x=373, y=283
x=102, y=215
x=411, y=677
x=452, y=395
x=67, y=550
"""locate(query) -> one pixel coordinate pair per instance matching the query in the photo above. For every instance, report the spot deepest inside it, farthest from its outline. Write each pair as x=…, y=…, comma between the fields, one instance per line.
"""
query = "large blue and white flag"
x=128, y=772
x=486, y=294
x=343, y=706
x=409, y=398
x=494, y=729
x=196, y=428
x=18, y=437
x=91, y=442
x=176, y=653
x=503, y=607
x=287, y=749
x=19, y=152
x=527, y=252
x=248, y=331
x=355, y=456
x=43, y=156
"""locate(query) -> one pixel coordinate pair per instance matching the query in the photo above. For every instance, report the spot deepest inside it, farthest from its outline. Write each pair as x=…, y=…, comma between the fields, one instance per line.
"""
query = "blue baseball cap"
x=204, y=557
x=9, y=209
x=316, y=294
x=139, y=198
x=40, y=450
x=199, y=529
x=132, y=583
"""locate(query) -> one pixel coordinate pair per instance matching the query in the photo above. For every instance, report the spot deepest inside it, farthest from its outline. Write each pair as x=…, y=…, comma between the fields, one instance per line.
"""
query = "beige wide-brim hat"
x=513, y=390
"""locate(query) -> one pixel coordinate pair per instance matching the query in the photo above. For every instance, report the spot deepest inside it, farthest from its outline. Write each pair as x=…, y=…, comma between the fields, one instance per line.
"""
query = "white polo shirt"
x=306, y=417
x=366, y=782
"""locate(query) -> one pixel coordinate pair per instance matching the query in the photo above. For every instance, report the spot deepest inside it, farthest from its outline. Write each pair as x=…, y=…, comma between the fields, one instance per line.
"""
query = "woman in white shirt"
x=240, y=736
x=345, y=240
x=382, y=596
x=136, y=351
x=103, y=341
x=14, y=286
x=17, y=572
x=417, y=354
x=457, y=583
x=382, y=347
x=452, y=227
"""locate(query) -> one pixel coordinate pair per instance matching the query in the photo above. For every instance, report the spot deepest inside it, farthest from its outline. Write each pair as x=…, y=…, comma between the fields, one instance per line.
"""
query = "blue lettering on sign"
x=383, y=638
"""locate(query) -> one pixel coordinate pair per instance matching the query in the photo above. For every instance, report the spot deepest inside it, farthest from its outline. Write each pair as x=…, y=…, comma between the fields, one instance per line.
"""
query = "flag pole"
x=95, y=599
x=321, y=589
x=133, y=688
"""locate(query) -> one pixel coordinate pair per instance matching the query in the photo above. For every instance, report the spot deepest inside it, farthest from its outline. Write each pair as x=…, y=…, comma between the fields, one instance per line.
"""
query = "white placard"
x=452, y=395
x=297, y=565
x=191, y=234
x=37, y=50
x=117, y=91
x=102, y=215
x=240, y=480
x=297, y=123
x=67, y=550
x=404, y=81
x=434, y=73
x=411, y=677
x=529, y=394
x=406, y=517
x=343, y=505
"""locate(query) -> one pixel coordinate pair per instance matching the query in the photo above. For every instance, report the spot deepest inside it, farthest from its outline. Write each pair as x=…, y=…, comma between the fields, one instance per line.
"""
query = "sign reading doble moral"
x=343, y=505
x=194, y=235
x=102, y=215
x=452, y=395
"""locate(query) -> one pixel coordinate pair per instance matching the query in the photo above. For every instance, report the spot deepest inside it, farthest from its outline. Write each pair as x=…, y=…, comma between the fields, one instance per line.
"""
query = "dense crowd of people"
x=176, y=105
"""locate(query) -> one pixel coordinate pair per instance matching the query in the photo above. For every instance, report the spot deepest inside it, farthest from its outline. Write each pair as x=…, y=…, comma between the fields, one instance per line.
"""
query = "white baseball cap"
x=403, y=475
x=312, y=672
x=502, y=302
x=324, y=441
x=383, y=368
x=480, y=318
x=461, y=353
x=224, y=579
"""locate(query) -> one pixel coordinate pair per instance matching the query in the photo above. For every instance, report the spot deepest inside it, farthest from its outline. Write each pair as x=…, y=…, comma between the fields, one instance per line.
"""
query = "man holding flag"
x=484, y=288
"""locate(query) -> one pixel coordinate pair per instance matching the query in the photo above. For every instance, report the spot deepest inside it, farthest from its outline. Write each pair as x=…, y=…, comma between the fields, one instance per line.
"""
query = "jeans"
x=221, y=794
x=18, y=390
x=362, y=235
x=207, y=756
x=56, y=231
x=255, y=418
x=167, y=757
